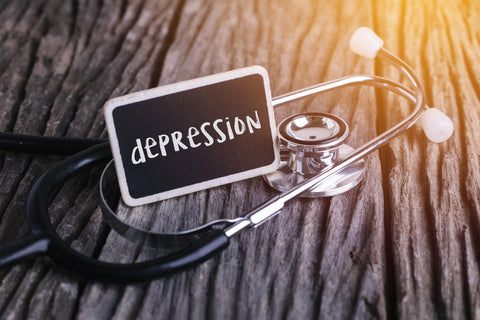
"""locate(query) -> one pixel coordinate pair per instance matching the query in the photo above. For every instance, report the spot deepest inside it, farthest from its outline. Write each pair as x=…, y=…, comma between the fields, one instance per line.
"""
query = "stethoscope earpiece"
x=365, y=43
x=309, y=144
x=437, y=126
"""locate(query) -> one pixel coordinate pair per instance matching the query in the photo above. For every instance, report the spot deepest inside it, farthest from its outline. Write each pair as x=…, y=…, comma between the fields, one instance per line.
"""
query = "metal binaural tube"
x=349, y=81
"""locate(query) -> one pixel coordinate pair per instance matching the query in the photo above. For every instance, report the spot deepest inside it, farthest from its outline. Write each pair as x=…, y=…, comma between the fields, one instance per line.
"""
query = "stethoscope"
x=315, y=162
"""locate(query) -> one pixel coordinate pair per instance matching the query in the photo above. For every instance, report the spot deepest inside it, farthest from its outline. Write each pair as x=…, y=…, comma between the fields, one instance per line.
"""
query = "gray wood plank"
x=404, y=244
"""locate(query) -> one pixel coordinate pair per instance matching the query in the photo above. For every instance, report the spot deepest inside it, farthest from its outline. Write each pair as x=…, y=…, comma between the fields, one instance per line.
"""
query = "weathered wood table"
x=403, y=244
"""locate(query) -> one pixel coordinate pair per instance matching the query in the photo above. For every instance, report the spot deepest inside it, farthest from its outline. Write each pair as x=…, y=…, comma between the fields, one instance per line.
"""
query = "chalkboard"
x=192, y=135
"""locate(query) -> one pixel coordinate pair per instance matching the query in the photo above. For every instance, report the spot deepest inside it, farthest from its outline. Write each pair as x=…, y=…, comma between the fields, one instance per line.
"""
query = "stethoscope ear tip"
x=437, y=126
x=365, y=42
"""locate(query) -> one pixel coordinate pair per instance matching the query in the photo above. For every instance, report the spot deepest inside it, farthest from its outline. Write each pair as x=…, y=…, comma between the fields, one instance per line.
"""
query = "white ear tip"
x=436, y=125
x=365, y=42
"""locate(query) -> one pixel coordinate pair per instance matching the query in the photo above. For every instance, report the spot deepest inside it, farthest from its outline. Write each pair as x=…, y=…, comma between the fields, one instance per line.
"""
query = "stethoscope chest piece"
x=310, y=143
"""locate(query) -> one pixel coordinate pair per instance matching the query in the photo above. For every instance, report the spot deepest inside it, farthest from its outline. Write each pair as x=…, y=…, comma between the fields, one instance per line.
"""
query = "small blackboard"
x=192, y=135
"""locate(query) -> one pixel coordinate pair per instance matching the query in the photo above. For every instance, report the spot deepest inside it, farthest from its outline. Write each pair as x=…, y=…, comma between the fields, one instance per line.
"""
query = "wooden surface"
x=404, y=244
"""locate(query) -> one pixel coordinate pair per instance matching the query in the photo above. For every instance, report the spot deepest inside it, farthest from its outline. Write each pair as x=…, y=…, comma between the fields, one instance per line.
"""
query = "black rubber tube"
x=60, y=252
x=45, y=145
x=24, y=249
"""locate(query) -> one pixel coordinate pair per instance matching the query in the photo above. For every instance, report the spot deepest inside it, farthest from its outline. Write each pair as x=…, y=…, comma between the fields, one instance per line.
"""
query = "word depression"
x=206, y=134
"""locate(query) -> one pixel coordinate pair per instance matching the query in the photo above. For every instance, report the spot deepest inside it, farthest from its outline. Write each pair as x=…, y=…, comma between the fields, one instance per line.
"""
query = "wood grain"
x=404, y=244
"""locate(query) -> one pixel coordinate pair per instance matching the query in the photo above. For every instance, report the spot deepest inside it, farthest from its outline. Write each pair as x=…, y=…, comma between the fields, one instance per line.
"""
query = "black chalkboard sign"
x=192, y=135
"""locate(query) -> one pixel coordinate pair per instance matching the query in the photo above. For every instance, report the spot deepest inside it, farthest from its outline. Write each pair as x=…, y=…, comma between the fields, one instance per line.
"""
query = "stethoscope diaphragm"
x=310, y=143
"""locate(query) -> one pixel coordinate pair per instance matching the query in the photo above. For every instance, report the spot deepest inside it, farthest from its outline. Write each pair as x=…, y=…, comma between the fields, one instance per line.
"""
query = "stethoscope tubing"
x=14, y=142
x=45, y=241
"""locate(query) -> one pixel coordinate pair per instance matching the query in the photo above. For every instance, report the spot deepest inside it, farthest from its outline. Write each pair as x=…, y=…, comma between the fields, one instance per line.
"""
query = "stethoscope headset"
x=320, y=167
